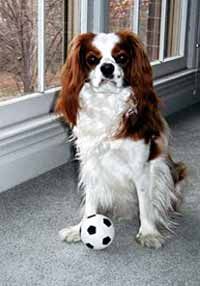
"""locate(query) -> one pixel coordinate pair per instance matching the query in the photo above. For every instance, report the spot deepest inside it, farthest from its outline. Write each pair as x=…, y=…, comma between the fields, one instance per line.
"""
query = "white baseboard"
x=177, y=91
x=30, y=149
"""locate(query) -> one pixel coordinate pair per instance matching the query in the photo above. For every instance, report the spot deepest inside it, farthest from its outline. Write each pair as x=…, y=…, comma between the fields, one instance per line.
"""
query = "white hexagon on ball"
x=97, y=231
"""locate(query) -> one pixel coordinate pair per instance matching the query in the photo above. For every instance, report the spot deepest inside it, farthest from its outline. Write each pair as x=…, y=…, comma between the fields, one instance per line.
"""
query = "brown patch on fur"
x=157, y=146
x=73, y=75
x=155, y=150
x=138, y=74
x=178, y=169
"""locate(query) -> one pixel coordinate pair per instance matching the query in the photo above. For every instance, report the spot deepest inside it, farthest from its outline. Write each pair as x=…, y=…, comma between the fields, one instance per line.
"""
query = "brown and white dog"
x=122, y=140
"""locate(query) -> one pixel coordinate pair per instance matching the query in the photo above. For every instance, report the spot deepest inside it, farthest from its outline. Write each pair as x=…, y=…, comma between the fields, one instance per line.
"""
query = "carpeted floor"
x=31, y=215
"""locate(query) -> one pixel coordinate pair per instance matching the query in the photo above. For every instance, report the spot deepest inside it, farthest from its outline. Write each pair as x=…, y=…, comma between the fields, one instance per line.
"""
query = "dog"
x=121, y=138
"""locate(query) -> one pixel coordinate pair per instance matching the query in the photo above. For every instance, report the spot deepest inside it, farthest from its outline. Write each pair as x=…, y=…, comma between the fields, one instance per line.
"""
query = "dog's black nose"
x=107, y=70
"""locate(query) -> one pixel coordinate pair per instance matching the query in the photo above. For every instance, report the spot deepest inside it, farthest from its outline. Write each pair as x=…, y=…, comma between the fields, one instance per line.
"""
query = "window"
x=34, y=35
x=32, y=45
x=159, y=23
x=149, y=26
x=54, y=41
x=173, y=28
x=61, y=24
x=18, y=47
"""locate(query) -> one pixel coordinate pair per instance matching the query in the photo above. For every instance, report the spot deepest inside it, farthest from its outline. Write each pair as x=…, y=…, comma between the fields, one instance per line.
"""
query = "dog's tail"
x=181, y=171
x=178, y=170
x=179, y=174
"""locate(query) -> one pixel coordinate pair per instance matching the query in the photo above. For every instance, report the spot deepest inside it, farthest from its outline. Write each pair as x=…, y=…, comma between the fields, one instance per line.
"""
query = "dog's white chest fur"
x=107, y=165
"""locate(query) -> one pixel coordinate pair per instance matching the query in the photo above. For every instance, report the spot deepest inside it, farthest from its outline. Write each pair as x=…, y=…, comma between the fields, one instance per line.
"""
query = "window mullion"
x=162, y=30
x=98, y=17
x=183, y=26
x=41, y=45
x=136, y=13
x=84, y=16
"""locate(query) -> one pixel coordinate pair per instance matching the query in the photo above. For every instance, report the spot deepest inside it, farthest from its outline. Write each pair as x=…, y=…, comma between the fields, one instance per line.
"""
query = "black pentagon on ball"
x=89, y=245
x=91, y=229
x=107, y=222
x=106, y=240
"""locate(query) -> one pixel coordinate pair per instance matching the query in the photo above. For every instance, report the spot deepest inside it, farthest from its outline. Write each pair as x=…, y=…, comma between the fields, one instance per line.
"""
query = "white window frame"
x=136, y=14
x=84, y=16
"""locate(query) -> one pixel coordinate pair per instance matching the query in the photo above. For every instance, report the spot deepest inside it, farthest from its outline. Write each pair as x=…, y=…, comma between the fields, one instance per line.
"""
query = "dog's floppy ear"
x=73, y=76
x=139, y=72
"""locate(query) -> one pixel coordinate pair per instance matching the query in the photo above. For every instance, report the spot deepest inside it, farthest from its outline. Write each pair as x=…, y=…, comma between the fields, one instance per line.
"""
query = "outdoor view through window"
x=18, y=45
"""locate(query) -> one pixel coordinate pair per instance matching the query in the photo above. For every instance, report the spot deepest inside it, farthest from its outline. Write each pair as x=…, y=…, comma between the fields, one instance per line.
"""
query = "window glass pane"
x=120, y=15
x=173, y=28
x=61, y=24
x=54, y=23
x=18, y=49
x=149, y=26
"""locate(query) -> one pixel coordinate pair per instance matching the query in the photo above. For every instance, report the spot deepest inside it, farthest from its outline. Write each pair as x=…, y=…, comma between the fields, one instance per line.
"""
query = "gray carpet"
x=31, y=215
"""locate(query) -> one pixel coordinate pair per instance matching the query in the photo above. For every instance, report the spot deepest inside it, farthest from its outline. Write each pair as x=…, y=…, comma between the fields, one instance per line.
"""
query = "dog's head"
x=114, y=59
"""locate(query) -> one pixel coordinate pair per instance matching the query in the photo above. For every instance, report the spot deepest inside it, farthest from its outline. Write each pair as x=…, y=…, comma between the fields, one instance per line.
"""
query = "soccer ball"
x=97, y=231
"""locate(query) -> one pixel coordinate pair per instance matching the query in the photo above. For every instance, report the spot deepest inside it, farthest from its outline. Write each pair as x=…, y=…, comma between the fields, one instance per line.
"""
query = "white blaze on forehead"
x=105, y=43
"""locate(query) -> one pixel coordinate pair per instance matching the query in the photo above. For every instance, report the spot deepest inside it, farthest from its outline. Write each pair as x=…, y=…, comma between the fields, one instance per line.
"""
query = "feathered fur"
x=120, y=134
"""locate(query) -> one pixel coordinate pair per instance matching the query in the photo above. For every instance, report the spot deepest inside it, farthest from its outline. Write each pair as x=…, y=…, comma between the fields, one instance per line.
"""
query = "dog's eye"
x=121, y=59
x=92, y=60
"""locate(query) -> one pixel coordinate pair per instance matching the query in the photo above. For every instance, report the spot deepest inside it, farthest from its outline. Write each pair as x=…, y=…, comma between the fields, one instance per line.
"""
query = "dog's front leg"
x=155, y=190
x=148, y=235
x=72, y=233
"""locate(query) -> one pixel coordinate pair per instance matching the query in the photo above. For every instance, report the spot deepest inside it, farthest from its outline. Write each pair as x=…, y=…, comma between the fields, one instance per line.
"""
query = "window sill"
x=29, y=106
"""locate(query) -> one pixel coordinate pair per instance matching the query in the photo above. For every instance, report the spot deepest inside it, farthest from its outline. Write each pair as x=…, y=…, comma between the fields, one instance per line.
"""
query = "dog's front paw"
x=151, y=240
x=70, y=234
